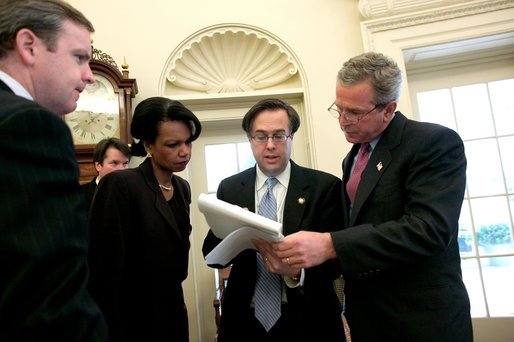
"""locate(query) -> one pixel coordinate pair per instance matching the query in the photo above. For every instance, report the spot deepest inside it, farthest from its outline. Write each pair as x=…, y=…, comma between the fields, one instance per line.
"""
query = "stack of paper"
x=236, y=226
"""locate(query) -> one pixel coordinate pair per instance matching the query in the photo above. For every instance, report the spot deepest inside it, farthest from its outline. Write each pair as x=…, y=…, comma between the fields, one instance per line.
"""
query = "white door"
x=200, y=285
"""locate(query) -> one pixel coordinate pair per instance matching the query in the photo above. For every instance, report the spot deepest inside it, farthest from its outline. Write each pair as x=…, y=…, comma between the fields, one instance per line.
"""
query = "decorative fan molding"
x=230, y=59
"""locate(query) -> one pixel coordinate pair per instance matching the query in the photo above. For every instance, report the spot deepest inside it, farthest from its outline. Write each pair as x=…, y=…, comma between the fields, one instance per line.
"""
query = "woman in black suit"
x=140, y=229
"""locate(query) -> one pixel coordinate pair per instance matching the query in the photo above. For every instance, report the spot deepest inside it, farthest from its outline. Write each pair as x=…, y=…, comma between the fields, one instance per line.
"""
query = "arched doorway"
x=219, y=72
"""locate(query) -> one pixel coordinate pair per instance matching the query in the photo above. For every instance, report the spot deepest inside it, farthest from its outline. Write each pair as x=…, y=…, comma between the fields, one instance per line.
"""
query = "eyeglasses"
x=351, y=117
x=276, y=138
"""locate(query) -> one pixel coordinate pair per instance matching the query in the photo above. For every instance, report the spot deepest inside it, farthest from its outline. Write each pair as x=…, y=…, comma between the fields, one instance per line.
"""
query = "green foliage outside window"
x=494, y=234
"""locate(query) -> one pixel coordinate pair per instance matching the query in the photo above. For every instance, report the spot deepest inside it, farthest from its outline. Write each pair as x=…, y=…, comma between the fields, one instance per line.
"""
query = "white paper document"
x=236, y=226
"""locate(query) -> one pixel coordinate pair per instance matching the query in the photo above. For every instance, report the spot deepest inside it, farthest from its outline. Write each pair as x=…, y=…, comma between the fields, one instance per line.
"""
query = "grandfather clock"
x=104, y=110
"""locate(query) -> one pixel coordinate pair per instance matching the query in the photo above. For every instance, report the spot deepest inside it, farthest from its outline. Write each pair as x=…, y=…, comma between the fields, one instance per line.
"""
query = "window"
x=224, y=160
x=483, y=115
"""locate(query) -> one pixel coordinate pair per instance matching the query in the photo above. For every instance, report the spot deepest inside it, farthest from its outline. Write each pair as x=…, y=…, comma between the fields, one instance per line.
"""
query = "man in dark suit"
x=44, y=54
x=110, y=154
x=399, y=253
x=306, y=199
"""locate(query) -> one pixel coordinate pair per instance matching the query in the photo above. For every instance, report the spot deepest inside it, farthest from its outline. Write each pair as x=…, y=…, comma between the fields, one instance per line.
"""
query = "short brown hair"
x=43, y=17
x=103, y=145
x=271, y=104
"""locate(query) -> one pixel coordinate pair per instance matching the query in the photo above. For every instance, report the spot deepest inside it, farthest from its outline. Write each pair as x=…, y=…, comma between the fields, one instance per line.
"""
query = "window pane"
x=506, y=148
x=473, y=111
x=492, y=223
x=224, y=160
x=245, y=156
x=436, y=106
x=498, y=276
x=502, y=102
x=221, y=162
x=471, y=277
x=482, y=114
x=484, y=173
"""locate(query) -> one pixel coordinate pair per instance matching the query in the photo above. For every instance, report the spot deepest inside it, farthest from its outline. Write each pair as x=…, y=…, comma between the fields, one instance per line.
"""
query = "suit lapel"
x=348, y=161
x=245, y=191
x=160, y=203
x=377, y=164
x=4, y=86
x=376, y=167
x=296, y=198
x=298, y=188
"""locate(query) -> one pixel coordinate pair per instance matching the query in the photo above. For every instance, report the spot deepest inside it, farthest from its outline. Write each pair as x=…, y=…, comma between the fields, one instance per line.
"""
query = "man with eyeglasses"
x=403, y=189
x=309, y=309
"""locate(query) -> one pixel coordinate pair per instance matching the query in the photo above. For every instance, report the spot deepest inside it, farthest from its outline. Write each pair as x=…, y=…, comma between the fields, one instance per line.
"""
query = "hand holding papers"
x=236, y=226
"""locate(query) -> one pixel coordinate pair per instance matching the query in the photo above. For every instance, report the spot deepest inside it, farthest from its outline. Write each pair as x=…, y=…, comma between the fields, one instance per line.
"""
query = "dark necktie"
x=268, y=287
x=355, y=178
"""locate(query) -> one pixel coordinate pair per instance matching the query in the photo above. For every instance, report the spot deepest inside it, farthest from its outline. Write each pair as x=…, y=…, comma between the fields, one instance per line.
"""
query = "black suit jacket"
x=43, y=233
x=89, y=189
x=400, y=256
x=316, y=309
x=139, y=255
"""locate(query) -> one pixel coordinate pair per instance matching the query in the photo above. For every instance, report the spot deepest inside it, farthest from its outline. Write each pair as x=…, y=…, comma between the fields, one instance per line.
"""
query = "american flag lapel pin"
x=379, y=166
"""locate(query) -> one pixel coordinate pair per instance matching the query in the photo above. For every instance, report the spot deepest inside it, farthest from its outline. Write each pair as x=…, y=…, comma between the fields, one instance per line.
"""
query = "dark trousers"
x=249, y=329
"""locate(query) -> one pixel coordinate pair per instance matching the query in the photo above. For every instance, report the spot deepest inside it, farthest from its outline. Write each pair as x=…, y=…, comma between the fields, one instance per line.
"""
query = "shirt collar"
x=283, y=178
x=15, y=86
x=374, y=143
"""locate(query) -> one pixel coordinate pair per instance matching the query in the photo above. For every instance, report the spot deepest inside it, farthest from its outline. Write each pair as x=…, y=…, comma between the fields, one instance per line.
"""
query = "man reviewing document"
x=399, y=252
x=308, y=308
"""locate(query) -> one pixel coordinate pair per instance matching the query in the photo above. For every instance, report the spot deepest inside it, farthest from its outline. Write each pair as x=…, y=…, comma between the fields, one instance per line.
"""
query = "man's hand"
x=305, y=249
x=274, y=263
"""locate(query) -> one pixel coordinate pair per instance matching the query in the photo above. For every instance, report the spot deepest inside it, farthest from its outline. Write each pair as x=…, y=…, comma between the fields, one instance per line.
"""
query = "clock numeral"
x=109, y=127
x=76, y=128
x=110, y=118
x=83, y=134
x=92, y=136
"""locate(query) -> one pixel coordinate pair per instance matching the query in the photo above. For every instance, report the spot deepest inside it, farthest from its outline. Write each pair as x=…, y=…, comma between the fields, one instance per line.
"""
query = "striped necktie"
x=268, y=287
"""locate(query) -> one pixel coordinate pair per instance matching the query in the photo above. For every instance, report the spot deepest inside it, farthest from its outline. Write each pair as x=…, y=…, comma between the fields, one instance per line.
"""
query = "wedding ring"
x=287, y=259
x=265, y=259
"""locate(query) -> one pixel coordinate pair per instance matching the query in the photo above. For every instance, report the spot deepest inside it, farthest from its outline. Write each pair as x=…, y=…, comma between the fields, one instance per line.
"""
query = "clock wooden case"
x=103, y=110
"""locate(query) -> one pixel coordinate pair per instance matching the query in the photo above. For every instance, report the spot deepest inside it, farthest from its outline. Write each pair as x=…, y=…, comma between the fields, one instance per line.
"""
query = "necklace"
x=166, y=188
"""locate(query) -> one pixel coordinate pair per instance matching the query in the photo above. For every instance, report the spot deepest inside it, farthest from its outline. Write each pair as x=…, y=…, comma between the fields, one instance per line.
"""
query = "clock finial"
x=125, y=67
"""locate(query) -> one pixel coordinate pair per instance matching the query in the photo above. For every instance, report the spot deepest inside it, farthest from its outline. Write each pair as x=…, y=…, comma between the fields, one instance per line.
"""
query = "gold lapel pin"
x=301, y=200
x=379, y=166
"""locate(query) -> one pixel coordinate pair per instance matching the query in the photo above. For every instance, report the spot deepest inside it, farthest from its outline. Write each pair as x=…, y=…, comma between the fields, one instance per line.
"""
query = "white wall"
x=322, y=33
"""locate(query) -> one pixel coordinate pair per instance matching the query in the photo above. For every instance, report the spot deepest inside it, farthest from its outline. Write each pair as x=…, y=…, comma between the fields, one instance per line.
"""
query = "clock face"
x=88, y=127
x=97, y=115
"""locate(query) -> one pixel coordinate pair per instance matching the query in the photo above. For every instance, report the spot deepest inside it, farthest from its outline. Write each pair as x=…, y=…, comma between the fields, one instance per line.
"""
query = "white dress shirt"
x=279, y=191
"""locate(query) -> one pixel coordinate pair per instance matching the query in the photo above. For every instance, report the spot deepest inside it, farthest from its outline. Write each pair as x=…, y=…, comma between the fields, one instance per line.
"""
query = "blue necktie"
x=268, y=288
